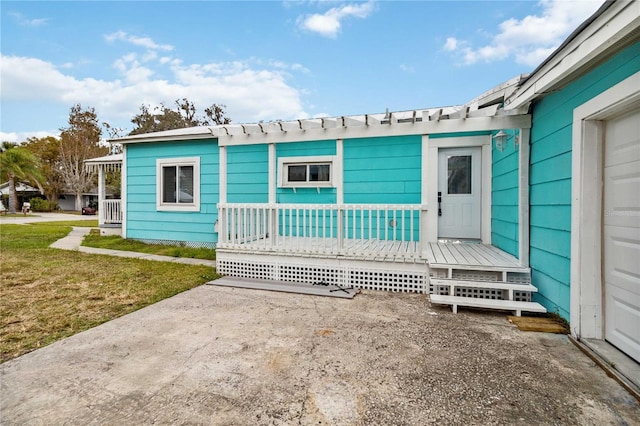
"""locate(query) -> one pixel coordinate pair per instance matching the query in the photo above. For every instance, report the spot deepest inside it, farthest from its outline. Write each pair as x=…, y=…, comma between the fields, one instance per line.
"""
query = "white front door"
x=459, y=192
x=621, y=233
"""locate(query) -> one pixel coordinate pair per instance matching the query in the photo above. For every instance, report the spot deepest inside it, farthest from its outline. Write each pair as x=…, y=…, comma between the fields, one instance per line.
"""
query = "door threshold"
x=459, y=241
x=616, y=363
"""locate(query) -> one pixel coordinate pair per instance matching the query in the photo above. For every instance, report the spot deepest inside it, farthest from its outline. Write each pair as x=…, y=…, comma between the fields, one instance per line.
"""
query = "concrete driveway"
x=217, y=355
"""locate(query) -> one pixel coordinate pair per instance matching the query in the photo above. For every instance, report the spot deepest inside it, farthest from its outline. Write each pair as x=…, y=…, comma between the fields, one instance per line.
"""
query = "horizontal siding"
x=550, y=176
x=383, y=170
x=143, y=220
x=248, y=174
x=504, y=197
x=306, y=195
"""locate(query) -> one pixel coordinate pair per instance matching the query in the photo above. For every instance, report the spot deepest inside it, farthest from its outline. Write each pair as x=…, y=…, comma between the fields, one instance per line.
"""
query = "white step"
x=493, y=285
x=505, y=305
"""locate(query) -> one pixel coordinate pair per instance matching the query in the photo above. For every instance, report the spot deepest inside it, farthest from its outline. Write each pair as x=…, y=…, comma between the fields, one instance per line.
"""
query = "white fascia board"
x=400, y=129
x=165, y=138
x=614, y=24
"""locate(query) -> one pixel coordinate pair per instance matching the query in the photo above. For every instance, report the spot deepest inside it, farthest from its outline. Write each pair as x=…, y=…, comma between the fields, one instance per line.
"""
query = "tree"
x=164, y=118
x=79, y=142
x=47, y=150
x=18, y=164
x=113, y=132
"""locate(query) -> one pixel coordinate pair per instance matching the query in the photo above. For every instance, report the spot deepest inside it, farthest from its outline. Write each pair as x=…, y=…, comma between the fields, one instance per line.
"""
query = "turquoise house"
x=524, y=199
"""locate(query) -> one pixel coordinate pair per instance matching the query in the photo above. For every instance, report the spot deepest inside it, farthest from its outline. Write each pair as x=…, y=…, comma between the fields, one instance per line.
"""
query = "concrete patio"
x=216, y=355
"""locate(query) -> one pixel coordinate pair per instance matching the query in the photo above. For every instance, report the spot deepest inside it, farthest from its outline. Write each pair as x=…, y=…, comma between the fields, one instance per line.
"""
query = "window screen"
x=169, y=184
x=297, y=173
x=319, y=173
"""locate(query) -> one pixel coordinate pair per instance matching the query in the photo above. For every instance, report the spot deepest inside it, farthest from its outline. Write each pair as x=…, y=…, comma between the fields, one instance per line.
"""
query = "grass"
x=115, y=242
x=48, y=294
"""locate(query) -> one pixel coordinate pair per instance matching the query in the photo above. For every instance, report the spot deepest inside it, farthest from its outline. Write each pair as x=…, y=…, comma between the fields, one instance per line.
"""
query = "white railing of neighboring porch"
x=110, y=212
x=354, y=229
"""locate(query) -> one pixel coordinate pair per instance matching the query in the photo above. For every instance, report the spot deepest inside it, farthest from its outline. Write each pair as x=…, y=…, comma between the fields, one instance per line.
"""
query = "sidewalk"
x=43, y=217
x=73, y=241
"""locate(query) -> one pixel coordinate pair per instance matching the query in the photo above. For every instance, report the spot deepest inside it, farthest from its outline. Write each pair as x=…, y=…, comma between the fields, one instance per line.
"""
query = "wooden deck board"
x=441, y=254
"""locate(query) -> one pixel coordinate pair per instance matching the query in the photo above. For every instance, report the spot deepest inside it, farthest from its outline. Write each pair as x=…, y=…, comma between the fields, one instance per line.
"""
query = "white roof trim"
x=609, y=25
x=402, y=122
x=114, y=158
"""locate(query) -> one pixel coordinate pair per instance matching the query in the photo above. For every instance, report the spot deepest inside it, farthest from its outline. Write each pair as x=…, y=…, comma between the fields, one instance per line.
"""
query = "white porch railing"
x=110, y=212
x=349, y=229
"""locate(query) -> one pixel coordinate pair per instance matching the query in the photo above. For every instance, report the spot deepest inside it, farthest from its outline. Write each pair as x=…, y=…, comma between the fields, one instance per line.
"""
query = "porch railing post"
x=273, y=224
x=340, y=226
x=423, y=238
x=222, y=218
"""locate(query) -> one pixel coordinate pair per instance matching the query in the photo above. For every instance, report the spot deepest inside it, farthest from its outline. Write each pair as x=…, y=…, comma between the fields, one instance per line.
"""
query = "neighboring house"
x=480, y=204
x=24, y=193
x=67, y=200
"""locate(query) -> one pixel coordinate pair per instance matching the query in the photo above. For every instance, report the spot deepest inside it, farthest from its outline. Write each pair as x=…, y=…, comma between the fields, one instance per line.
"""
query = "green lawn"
x=48, y=294
x=114, y=242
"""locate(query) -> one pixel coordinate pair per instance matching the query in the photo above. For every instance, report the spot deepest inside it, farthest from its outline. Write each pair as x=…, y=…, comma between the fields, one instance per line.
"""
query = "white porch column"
x=485, y=224
x=339, y=172
x=222, y=196
x=101, y=194
x=523, y=198
x=423, y=238
x=273, y=212
x=272, y=173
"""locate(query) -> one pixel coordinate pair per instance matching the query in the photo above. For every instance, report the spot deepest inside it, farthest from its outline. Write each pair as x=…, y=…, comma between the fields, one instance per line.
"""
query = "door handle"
x=439, y=203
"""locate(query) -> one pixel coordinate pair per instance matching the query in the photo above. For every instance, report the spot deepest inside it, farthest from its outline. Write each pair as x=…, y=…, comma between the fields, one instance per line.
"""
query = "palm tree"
x=18, y=164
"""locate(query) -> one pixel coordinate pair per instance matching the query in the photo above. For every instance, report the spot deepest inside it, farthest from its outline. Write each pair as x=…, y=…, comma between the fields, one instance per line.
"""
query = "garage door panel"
x=621, y=233
x=622, y=262
x=623, y=319
x=622, y=195
x=623, y=140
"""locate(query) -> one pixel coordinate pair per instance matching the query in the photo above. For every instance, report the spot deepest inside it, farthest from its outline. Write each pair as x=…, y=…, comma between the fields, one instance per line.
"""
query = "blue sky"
x=264, y=60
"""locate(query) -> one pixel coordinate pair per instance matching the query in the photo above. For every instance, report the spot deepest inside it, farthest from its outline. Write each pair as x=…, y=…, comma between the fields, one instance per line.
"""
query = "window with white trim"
x=306, y=171
x=178, y=184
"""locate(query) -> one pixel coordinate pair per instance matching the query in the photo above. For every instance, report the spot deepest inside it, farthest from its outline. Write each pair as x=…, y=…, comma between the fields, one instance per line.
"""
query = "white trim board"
x=430, y=168
x=587, y=313
x=461, y=125
x=193, y=206
x=613, y=25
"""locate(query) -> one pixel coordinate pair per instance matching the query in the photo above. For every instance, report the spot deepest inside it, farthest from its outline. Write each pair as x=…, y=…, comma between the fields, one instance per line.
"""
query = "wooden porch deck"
x=465, y=255
x=469, y=255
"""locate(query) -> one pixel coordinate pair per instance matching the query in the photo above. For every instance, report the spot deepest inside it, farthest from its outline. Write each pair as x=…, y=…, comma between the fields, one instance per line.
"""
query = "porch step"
x=483, y=285
x=505, y=305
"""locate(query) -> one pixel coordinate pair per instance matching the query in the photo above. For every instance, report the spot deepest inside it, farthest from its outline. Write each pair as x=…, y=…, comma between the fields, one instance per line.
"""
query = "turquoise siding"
x=143, y=220
x=306, y=195
x=550, y=177
x=248, y=174
x=504, y=197
x=383, y=170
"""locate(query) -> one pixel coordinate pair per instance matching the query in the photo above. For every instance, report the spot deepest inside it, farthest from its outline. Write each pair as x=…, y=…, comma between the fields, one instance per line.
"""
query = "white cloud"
x=23, y=136
x=407, y=68
x=137, y=41
x=250, y=92
x=528, y=40
x=27, y=22
x=329, y=23
x=451, y=44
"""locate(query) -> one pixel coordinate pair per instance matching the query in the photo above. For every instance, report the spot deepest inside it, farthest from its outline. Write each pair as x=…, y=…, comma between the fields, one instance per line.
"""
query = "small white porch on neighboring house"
x=109, y=210
x=377, y=247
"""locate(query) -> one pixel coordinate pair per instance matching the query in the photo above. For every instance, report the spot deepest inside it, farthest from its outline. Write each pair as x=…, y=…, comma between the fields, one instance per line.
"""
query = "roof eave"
x=581, y=50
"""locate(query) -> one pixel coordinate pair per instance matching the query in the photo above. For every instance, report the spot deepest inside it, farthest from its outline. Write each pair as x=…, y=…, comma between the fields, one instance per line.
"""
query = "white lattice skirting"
x=390, y=276
x=190, y=244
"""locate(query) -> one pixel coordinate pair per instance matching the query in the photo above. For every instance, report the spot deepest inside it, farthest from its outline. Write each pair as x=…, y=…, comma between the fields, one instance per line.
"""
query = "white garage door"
x=621, y=235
